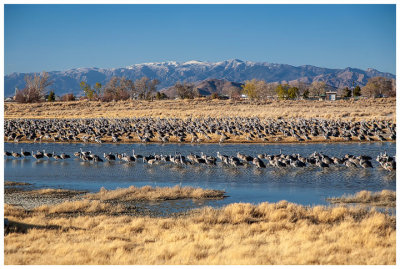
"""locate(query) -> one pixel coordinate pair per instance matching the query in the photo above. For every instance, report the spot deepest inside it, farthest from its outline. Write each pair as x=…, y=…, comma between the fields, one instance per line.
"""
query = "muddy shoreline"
x=22, y=195
x=26, y=197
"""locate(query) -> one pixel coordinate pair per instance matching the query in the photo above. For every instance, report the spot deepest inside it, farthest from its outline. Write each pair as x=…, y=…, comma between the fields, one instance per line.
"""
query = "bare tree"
x=152, y=88
x=270, y=89
x=128, y=86
x=317, y=88
x=110, y=89
x=186, y=90
x=302, y=86
x=259, y=89
x=35, y=89
x=232, y=91
x=145, y=88
x=379, y=87
x=118, y=89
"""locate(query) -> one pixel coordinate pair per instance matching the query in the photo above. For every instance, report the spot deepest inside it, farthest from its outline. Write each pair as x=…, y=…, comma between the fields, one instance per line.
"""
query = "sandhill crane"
x=321, y=164
x=259, y=163
x=137, y=156
x=365, y=164
x=25, y=153
x=47, y=155
x=223, y=138
x=244, y=157
x=56, y=157
x=64, y=156
x=223, y=158
x=128, y=158
x=152, y=161
x=15, y=154
x=96, y=158
x=109, y=157
x=350, y=164
x=297, y=163
x=37, y=155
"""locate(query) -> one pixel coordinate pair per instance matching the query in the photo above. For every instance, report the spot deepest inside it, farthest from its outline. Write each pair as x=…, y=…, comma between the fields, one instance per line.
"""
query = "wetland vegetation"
x=204, y=220
x=239, y=233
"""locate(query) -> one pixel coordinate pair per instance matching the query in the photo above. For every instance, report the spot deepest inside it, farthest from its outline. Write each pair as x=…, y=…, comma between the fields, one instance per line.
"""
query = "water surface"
x=307, y=186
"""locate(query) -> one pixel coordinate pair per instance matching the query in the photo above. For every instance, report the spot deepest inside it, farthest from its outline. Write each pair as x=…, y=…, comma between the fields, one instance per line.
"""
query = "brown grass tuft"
x=81, y=206
x=383, y=198
x=150, y=193
x=13, y=183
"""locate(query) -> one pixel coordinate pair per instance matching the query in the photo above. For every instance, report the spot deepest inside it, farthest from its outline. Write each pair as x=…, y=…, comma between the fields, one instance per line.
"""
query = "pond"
x=307, y=186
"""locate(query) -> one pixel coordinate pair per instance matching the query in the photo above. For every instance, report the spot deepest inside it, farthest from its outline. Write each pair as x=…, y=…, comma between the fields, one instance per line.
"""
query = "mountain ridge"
x=169, y=72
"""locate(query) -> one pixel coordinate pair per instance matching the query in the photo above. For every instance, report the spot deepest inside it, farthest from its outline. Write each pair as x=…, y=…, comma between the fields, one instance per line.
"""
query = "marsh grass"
x=82, y=206
x=382, y=198
x=155, y=193
x=268, y=233
x=14, y=183
x=368, y=109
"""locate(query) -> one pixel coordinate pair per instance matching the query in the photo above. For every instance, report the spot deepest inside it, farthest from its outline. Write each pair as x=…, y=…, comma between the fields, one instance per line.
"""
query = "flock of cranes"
x=194, y=130
x=38, y=155
x=261, y=160
x=198, y=130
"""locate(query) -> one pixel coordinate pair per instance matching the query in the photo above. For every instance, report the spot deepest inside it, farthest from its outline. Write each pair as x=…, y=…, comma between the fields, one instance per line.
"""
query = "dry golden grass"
x=383, y=198
x=55, y=192
x=281, y=233
x=81, y=206
x=380, y=109
x=155, y=193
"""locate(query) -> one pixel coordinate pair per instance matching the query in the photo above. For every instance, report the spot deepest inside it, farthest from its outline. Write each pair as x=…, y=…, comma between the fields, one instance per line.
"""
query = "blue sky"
x=59, y=37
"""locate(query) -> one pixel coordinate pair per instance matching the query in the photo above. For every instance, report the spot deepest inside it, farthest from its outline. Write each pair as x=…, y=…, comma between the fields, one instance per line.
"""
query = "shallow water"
x=307, y=186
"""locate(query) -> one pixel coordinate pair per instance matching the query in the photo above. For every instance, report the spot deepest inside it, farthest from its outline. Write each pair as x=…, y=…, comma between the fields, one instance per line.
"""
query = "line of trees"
x=259, y=89
x=121, y=88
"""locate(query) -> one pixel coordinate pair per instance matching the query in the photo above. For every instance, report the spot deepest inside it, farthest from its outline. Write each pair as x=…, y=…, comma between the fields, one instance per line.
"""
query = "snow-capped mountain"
x=195, y=71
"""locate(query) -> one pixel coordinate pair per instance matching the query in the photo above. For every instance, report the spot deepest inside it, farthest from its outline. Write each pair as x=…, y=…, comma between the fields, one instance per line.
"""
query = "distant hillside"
x=210, y=86
x=168, y=73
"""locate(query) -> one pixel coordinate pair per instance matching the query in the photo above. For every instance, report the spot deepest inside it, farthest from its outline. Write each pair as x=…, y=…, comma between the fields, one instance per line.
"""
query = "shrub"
x=346, y=92
x=115, y=95
x=214, y=95
x=27, y=95
x=306, y=94
x=357, y=91
x=161, y=96
x=68, y=97
x=51, y=97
